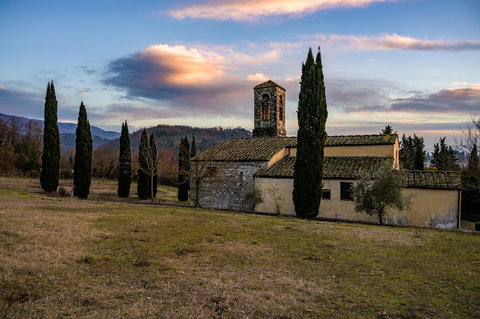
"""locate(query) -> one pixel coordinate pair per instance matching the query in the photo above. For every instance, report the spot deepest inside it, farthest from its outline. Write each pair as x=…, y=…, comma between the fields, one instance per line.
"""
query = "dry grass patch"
x=63, y=257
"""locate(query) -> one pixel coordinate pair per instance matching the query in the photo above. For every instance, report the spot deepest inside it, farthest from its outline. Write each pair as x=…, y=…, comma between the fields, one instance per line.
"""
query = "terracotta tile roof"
x=268, y=84
x=348, y=167
x=334, y=167
x=377, y=139
x=245, y=149
x=346, y=140
x=436, y=180
x=262, y=149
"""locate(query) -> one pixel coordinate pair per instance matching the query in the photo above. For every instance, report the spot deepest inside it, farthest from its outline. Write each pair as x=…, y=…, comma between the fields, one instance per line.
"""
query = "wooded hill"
x=169, y=136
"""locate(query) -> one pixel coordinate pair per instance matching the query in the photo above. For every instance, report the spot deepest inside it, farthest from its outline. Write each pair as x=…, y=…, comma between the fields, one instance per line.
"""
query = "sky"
x=413, y=64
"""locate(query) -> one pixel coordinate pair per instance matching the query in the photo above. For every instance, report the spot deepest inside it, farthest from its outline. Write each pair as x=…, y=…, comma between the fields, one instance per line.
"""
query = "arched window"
x=265, y=114
x=280, y=108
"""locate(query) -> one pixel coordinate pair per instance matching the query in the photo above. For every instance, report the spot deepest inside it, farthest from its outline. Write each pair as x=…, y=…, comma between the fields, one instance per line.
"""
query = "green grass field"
x=64, y=257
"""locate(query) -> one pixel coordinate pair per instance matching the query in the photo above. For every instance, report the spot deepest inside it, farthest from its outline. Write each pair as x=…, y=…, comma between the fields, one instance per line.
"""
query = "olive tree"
x=374, y=193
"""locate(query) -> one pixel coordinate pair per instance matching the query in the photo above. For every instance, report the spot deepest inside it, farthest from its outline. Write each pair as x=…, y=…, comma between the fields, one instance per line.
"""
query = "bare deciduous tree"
x=470, y=135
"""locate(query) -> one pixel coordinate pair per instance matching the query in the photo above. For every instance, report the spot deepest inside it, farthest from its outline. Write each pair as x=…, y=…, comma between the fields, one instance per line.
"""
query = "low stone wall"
x=226, y=188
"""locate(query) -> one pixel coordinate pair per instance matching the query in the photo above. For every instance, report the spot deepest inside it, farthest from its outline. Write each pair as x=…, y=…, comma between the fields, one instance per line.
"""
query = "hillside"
x=169, y=136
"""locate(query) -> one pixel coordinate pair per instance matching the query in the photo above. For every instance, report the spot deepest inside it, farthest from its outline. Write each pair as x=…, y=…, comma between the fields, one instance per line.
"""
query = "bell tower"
x=269, y=110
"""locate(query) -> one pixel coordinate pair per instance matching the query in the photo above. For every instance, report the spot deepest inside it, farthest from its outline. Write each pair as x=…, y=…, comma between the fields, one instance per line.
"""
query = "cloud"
x=252, y=10
x=3, y=88
x=456, y=100
x=359, y=95
x=195, y=79
x=86, y=69
x=446, y=101
x=257, y=77
x=390, y=42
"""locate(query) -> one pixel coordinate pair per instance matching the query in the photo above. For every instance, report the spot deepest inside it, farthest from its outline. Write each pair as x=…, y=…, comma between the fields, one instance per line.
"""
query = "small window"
x=265, y=111
x=326, y=194
x=346, y=191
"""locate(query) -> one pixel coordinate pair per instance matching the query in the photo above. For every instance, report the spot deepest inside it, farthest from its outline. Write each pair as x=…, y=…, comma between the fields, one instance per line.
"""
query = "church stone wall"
x=226, y=188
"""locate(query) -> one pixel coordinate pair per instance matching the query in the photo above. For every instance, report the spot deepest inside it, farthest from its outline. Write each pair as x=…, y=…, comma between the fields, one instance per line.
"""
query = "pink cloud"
x=257, y=77
x=251, y=10
x=196, y=78
x=392, y=42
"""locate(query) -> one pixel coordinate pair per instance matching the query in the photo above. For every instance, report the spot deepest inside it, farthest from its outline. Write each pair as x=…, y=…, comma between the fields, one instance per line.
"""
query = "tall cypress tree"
x=82, y=173
x=471, y=183
x=312, y=116
x=183, y=170
x=51, y=143
x=419, y=157
x=193, y=150
x=152, y=167
x=124, y=163
x=143, y=187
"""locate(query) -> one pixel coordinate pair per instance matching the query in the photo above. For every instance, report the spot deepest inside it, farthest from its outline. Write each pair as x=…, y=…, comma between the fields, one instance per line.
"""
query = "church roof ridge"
x=353, y=140
x=268, y=84
x=348, y=167
x=245, y=149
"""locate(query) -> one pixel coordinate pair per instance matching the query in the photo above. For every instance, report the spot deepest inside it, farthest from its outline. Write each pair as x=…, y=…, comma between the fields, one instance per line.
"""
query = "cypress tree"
x=51, y=143
x=444, y=156
x=143, y=187
x=387, y=130
x=419, y=157
x=124, y=163
x=152, y=167
x=471, y=183
x=183, y=170
x=82, y=173
x=312, y=116
x=193, y=150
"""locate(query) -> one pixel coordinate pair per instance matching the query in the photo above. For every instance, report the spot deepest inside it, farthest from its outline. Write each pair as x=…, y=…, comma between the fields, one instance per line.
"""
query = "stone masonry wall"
x=227, y=187
x=275, y=125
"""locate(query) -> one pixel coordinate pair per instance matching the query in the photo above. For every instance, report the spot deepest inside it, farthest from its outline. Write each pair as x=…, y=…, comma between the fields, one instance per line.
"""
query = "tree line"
x=79, y=162
x=20, y=147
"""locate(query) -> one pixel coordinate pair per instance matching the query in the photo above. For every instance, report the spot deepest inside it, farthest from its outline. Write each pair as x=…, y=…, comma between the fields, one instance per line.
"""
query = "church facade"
x=227, y=175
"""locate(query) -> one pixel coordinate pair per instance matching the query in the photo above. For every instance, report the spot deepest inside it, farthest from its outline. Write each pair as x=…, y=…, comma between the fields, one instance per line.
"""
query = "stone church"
x=227, y=172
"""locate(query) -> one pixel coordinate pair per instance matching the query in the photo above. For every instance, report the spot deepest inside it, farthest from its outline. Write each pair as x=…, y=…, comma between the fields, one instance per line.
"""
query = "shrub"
x=63, y=192
x=253, y=196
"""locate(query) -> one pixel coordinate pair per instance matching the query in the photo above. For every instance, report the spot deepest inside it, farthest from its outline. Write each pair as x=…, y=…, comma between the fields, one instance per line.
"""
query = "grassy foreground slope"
x=62, y=257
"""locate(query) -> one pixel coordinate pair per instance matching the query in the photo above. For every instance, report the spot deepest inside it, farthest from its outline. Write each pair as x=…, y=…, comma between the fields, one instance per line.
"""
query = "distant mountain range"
x=66, y=128
x=166, y=136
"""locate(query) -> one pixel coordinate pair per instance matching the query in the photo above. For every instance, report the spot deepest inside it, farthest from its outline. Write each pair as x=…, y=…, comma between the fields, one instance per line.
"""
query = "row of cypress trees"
x=51, y=149
x=147, y=172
